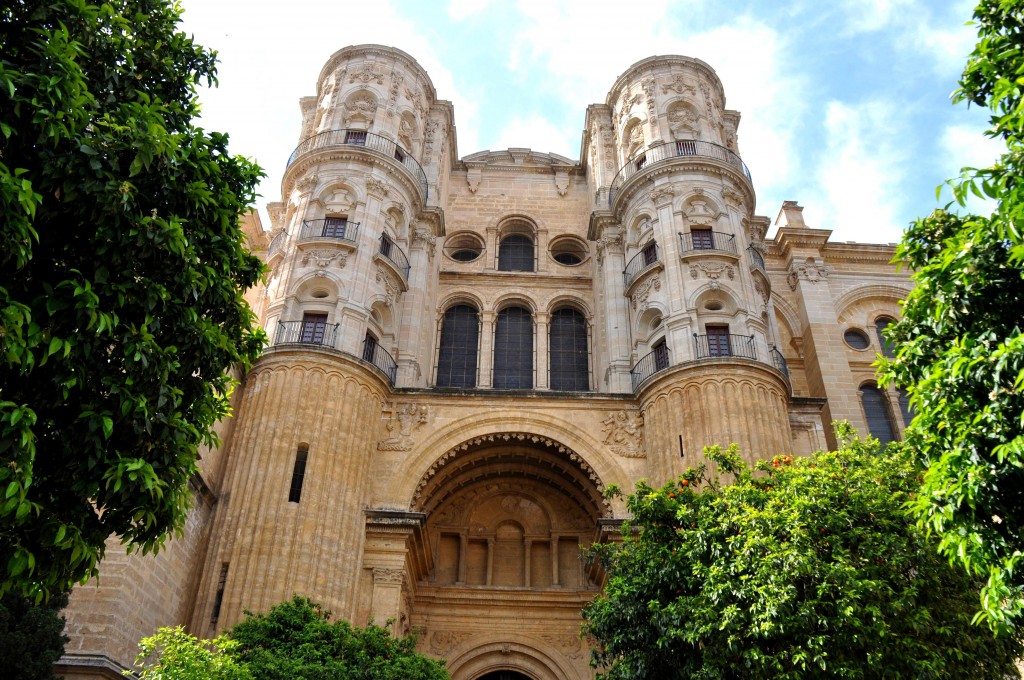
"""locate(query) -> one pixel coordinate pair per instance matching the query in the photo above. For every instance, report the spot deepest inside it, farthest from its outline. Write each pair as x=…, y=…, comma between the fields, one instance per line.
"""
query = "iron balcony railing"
x=682, y=148
x=654, y=362
x=716, y=345
x=275, y=246
x=646, y=258
x=394, y=254
x=707, y=240
x=381, y=145
x=756, y=258
x=779, y=361
x=378, y=356
x=306, y=333
x=329, y=229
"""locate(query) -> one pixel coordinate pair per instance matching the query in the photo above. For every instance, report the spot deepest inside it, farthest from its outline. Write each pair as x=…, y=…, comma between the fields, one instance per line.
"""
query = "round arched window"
x=856, y=338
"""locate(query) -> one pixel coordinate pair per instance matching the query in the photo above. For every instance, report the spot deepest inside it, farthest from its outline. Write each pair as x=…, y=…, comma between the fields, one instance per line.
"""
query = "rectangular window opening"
x=298, y=474
x=219, y=598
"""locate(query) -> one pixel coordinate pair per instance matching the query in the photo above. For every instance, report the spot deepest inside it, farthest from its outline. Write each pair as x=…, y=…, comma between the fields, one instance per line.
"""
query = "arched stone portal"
x=501, y=579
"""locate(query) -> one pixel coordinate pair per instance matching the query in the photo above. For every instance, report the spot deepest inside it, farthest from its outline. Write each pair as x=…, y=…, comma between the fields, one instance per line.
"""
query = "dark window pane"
x=513, y=349
x=856, y=339
x=515, y=254
x=660, y=355
x=460, y=331
x=686, y=147
x=887, y=347
x=567, y=351
x=703, y=239
x=718, y=341
x=334, y=227
x=650, y=253
x=906, y=410
x=355, y=137
x=313, y=328
x=298, y=475
x=369, y=348
x=876, y=410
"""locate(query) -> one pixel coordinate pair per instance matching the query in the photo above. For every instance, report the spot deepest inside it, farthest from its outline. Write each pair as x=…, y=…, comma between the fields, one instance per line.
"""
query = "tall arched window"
x=515, y=254
x=881, y=323
x=567, y=351
x=513, y=349
x=906, y=410
x=460, y=333
x=877, y=413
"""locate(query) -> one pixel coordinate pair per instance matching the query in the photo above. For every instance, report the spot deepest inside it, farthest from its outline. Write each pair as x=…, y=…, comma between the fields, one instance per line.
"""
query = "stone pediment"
x=518, y=158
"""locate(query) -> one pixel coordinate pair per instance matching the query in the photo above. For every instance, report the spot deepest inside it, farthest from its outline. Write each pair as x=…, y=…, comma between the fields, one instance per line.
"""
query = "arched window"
x=567, y=351
x=460, y=333
x=513, y=349
x=881, y=323
x=906, y=410
x=515, y=254
x=877, y=413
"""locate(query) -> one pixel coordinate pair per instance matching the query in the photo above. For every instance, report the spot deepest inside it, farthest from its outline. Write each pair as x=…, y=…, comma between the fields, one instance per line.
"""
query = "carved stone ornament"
x=391, y=288
x=377, y=187
x=809, y=271
x=624, y=434
x=569, y=645
x=713, y=271
x=340, y=200
x=610, y=239
x=396, y=83
x=698, y=212
x=361, y=109
x=367, y=75
x=423, y=236
x=562, y=182
x=733, y=198
x=324, y=258
x=643, y=292
x=307, y=183
x=679, y=85
x=473, y=176
x=663, y=195
x=444, y=641
x=404, y=420
x=388, y=576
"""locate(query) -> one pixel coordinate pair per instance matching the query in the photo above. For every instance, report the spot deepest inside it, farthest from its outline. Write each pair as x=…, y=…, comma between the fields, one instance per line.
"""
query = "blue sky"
x=845, y=104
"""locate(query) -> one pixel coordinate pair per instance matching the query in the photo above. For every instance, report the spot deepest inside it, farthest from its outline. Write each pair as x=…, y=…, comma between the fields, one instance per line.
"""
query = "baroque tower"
x=464, y=352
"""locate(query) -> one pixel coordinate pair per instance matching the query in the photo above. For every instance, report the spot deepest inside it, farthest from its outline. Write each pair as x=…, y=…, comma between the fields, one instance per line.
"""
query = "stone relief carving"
x=324, y=258
x=763, y=292
x=643, y=292
x=361, y=109
x=444, y=641
x=624, y=434
x=340, y=200
x=405, y=418
x=388, y=576
x=396, y=83
x=569, y=645
x=683, y=123
x=391, y=289
x=367, y=75
x=307, y=183
x=713, y=272
x=652, y=114
x=809, y=271
x=662, y=195
x=610, y=239
x=377, y=187
x=562, y=182
x=699, y=213
x=423, y=236
x=679, y=85
x=734, y=198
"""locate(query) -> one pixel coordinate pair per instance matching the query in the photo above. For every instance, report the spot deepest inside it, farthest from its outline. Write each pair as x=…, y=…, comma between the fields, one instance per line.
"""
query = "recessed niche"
x=713, y=305
x=464, y=247
x=568, y=251
x=319, y=293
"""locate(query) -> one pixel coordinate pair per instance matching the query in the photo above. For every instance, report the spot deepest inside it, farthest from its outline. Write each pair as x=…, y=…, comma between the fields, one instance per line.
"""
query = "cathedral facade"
x=464, y=352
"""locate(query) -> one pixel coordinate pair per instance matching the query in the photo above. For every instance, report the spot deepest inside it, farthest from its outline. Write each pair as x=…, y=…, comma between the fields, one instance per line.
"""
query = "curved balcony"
x=705, y=240
x=276, y=246
x=381, y=359
x=718, y=345
x=306, y=332
x=641, y=262
x=692, y=148
x=329, y=229
x=395, y=256
x=367, y=140
x=779, y=362
x=654, y=362
x=757, y=259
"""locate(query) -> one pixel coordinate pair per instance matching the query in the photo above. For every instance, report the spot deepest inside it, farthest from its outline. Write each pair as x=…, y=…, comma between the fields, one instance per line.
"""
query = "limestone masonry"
x=465, y=351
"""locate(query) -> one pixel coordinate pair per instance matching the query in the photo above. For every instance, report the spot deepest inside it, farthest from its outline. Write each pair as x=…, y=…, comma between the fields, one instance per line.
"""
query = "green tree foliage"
x=297, y=640
x=173, y=654
x=960, y=343
x=800, y=568
x=121, y=276
x=31, y=636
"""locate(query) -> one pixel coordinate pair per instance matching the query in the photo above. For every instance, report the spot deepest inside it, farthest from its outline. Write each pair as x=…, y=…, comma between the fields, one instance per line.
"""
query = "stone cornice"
x=343, y=152
x=789, y=238
x=533, y=278
x=374, y=50
x=708, y=166
x=665, y=62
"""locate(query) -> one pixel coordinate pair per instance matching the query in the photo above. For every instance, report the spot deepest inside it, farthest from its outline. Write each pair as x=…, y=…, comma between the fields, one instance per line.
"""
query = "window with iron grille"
x=686, y=147
x=650, y=253
x=567, y=351
x=660, y=350
x=877, y=413
x=334, y=227
x=369, y=347
x=515, y=254
x=355, y=137
x=513, y=349
x=718, y=341
x=457, y=354
x=313, y=328
x=881, y=324
x=298, y=474
x=702, y=239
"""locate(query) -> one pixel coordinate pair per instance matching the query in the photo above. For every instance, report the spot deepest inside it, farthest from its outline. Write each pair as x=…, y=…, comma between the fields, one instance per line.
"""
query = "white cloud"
x=460, y=10
x=966, y=146
x=864, y=16
x=860, y=172
x=539, y=132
